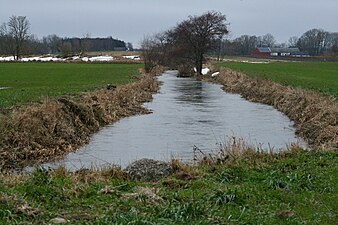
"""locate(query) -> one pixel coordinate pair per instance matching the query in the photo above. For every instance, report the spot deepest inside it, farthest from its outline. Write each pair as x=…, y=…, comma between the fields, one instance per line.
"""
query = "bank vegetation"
x=315, y=116
x=49, y=130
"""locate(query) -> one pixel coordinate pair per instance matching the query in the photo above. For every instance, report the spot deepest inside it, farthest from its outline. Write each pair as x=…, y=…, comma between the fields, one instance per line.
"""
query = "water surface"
x=186, y=113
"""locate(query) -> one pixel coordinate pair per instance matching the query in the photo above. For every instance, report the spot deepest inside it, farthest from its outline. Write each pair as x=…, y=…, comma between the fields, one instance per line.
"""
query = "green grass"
x=319, y=76
x=29, y=82
x=299, y=187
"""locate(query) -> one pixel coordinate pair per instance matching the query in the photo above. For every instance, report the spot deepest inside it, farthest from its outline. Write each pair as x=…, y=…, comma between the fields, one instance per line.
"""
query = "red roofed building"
x=262, y=52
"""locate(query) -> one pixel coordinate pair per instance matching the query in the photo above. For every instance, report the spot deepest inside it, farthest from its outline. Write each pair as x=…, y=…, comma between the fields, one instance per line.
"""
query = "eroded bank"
x=315, y=116
x=49, y=130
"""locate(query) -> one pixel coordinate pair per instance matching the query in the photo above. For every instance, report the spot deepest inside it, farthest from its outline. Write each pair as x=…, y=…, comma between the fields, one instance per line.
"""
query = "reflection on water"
x=186, y=112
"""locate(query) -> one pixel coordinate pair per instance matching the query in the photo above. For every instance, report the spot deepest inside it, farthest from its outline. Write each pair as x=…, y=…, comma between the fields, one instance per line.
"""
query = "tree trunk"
x=199, y=64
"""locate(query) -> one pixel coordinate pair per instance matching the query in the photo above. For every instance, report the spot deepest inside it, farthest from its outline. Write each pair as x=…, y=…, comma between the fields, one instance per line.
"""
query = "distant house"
x=283, y=51
x=261, y=52
x=300, y=54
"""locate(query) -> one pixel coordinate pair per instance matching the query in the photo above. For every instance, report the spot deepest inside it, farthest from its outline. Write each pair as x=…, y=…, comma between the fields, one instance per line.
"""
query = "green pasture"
x=287, y=188
x=319, y=76
x=30, y=82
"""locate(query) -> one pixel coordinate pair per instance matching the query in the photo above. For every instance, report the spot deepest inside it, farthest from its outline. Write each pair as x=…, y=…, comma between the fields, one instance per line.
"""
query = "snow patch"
x=205, y=71
x=7, y=58
x=55, y=59
x=215, y=74
x=133, y=57
x=101, y=58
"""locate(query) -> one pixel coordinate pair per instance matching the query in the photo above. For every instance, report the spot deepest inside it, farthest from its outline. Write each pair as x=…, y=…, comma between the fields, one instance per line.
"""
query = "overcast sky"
x=130, y=20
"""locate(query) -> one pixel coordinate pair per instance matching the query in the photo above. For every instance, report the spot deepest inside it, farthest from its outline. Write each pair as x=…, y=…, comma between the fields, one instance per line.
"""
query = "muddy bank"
x=42, y=132
x=315, y=116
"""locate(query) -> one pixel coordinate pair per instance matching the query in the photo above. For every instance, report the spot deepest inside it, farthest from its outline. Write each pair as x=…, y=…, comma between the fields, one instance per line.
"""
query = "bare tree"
x=66, y=49
x=53, y=43
x=293, y=41
x=246, y=44
x=130, y=46
x=18, y=30
x=149, y=53
x=6, y=41
x=198, y=35
x=268, y=40
x=85, y=43
x=314, y=41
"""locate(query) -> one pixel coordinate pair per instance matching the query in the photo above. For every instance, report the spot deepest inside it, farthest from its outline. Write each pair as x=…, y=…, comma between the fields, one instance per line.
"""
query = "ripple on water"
x=186, y=113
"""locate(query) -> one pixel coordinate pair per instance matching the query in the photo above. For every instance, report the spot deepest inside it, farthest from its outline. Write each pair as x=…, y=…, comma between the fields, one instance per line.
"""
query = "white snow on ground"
x=205, y=71
x=7, y=58
x=41, y=59
x=55, y=59
x=29, y=59
x=101, y=58
x=133, y=57
x=75, y=57
x=214, y=74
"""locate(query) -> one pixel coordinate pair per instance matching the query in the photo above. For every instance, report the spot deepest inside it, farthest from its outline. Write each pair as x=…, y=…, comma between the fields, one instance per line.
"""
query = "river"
x=185, y=113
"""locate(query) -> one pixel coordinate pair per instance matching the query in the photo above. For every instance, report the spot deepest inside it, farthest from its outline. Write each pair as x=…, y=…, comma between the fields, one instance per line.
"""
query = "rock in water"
x=148, y=169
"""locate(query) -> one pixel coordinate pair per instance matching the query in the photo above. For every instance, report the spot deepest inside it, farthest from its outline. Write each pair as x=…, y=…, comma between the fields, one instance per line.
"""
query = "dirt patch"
x=42, y=132
x=315, y=116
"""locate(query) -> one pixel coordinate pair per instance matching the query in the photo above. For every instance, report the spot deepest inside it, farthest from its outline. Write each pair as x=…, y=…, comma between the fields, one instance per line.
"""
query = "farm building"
x=283, y=51
x=261, y=52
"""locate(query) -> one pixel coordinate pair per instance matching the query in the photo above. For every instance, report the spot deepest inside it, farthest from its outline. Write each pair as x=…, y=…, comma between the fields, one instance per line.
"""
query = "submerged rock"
x=148, y=169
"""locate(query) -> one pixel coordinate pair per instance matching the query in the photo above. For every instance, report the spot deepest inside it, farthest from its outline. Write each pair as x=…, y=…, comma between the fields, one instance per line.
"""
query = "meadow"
x=294, y=187
x=30, y=82
x=319, y=76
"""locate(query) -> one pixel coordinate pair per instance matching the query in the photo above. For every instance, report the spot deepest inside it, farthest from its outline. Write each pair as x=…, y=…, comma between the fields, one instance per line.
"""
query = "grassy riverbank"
x=30, y=82
x=319, y=76
x=295, y=187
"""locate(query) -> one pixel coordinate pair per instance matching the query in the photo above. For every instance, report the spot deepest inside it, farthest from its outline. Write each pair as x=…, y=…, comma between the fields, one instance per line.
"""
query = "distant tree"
x=53, y=43
x=268, y=40
x=66, y=49
x=313, y=41
x=332, y=46
x=6, y=41
x=197, y=35
x=130, y=46
x=18, y=31
x=85, y=43
x=150, y=53
x=292, y=42
x=246, y=44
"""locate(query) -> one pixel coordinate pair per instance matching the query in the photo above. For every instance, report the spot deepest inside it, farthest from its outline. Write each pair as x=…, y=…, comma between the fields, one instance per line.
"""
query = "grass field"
x=32, y=81
x=298, y=187
x=319, y=76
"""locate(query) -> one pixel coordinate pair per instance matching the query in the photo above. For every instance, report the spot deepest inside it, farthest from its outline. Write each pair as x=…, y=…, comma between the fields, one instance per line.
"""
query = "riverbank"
x=49, y=130
x=292, y=187
x=314, y=115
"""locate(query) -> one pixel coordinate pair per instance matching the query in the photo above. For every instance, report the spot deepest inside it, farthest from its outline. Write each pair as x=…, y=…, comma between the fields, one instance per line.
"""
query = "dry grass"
x=315, y=116
x=43, y=132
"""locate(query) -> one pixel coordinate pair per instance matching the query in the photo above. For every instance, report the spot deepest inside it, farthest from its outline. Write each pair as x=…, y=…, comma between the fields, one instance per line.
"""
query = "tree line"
x=16, y=40
x=315, y=42
x=184, y=47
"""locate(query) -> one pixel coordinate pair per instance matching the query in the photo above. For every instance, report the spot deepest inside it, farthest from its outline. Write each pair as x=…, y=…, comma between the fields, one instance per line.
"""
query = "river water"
x=186, y=113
